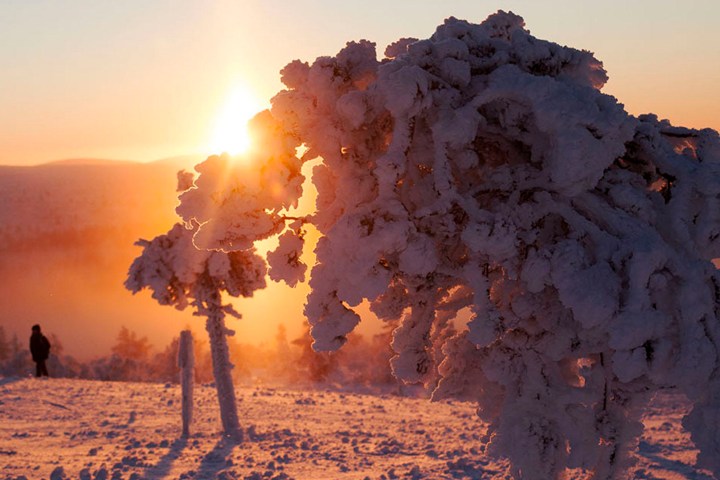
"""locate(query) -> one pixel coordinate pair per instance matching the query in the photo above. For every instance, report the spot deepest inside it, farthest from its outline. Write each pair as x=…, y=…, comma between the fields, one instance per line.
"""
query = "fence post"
x=186, y=362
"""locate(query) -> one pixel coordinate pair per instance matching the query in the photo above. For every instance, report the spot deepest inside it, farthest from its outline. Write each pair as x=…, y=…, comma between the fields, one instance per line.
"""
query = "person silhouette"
x=40, y=350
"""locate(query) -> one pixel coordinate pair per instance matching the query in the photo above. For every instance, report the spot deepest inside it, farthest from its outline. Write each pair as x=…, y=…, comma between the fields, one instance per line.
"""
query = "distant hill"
x=88, y=161
x=67, y=234
x=181, y=161
x=61, y=200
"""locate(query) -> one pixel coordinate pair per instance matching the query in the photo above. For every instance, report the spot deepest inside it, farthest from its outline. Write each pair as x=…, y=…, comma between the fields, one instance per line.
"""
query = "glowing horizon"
x=144, y=80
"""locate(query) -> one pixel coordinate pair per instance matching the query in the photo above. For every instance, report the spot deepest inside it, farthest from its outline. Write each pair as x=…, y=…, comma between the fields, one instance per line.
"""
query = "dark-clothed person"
x=40, y=350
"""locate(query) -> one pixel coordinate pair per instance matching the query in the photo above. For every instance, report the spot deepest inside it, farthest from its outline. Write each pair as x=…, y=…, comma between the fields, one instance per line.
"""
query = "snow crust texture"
x=483, y=168
x=63, y=429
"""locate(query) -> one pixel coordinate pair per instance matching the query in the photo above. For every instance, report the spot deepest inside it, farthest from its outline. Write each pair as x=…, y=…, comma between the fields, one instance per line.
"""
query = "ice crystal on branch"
x=484, y=168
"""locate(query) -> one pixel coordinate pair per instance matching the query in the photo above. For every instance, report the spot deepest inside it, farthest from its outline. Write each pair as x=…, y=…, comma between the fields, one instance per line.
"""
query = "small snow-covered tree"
x=18, y=362
x=128, y=345
x=316, y=366
x=181, y=275
x=164, y=363
x=4, y=345
x=483, y=168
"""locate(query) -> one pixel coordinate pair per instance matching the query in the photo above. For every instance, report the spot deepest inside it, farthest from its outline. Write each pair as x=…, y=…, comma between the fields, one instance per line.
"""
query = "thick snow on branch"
x=285, y=261
x=238, y=201
x=179, y=274
x=484, y=167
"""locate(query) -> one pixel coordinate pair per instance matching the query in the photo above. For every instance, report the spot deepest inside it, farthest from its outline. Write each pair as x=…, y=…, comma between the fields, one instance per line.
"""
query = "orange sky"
x=145, y=80
x=66, y=243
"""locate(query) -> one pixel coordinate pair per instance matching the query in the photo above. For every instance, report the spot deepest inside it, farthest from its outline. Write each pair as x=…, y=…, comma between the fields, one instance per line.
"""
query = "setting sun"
x=230, y=133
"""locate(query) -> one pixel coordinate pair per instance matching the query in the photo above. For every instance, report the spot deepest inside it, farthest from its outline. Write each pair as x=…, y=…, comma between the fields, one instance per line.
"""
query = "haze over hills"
x=67, y=234
x=67, y=231
x=61, y=201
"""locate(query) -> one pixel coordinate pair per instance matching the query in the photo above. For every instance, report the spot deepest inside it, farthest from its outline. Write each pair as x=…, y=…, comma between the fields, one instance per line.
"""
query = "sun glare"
x=230, y=133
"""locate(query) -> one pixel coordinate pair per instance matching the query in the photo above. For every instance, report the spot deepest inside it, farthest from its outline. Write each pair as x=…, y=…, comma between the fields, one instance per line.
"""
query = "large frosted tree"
x=484, y=168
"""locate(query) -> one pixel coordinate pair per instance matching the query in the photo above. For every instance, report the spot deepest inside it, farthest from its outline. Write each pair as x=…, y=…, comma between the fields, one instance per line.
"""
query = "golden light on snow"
x=230, y=132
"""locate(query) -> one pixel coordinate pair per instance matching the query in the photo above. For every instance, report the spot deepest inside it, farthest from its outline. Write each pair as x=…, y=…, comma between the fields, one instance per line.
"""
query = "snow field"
x=79, y=429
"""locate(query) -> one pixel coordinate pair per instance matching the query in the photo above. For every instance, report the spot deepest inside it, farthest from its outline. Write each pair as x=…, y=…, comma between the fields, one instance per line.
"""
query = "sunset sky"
x=143, y=80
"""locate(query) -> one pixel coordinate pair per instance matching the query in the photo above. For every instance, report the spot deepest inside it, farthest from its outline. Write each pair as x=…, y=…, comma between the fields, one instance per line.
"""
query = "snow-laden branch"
x=484, y=167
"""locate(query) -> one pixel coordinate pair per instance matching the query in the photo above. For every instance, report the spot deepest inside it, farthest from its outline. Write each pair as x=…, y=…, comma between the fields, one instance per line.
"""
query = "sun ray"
x=230, y=132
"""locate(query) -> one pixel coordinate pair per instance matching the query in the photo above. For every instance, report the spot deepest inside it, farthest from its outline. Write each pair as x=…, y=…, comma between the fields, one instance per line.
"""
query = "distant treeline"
x=361, y=363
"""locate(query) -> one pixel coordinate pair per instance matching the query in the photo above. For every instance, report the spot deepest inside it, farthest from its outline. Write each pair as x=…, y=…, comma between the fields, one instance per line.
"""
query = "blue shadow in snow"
x=654, y=453
x=163, y=467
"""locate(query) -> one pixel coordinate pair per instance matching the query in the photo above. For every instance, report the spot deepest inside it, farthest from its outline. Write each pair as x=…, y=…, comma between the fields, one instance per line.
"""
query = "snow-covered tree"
x=18, y=361
x=315, y=366
x=181, y=275
x=4, y=345
x=483, y=168
x=129, y=345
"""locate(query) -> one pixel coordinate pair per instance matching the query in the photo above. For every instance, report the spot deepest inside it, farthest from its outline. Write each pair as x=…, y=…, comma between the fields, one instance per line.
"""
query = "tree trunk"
x=222, y=367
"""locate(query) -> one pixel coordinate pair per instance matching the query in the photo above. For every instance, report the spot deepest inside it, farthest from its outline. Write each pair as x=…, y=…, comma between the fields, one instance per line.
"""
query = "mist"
x=67, y=233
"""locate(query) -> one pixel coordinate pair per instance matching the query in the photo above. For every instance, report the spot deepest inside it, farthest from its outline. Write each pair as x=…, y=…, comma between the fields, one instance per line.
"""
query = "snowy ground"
x=77, y=429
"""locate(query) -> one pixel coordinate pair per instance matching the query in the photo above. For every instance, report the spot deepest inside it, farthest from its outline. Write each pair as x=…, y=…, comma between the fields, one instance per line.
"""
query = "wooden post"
x=186, y=362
